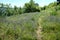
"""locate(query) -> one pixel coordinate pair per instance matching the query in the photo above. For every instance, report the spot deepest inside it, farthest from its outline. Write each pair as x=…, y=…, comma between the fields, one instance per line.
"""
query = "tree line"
x=31, y=6
x=7, y=10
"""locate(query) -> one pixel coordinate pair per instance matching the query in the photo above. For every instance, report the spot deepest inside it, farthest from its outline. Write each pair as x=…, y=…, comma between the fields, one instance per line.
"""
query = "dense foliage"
x=7, y=10
x=31, y=7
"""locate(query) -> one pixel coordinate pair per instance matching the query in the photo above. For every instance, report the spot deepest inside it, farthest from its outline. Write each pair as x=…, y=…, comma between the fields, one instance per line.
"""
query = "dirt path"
x=39, y=31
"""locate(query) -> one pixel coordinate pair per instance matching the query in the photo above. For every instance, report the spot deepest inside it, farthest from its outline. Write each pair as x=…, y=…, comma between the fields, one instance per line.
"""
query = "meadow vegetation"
x=23, y=23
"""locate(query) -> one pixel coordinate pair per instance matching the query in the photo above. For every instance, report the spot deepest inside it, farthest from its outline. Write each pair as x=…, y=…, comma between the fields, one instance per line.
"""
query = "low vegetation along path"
x=39, y=31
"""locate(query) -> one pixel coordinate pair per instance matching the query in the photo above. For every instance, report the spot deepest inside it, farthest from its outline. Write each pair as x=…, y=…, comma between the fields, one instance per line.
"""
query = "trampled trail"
x=39, y=31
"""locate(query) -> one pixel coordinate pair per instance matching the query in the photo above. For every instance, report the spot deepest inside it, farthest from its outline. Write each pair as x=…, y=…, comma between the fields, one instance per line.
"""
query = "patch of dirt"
x=39, y=31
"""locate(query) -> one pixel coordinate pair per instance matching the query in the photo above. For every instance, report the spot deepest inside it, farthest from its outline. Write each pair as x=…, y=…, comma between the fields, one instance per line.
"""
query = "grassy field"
x=19, y=27
x=25, y=26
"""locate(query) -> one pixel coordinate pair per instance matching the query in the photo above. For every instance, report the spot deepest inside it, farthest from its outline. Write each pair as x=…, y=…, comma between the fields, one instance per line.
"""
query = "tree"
x=58, y=2
x=9, y=11
x=27, y=7
x=2, y=9
x=15, y=10
x=2, y=5
x=31, y=7
x=20, y=10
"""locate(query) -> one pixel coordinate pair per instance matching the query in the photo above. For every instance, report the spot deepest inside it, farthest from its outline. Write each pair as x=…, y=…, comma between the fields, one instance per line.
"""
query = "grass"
x=50, y=22
x=24, y=26
x=19, y=27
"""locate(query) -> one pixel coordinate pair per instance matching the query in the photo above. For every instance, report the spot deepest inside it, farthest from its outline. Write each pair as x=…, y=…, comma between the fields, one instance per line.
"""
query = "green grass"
x=50, y=22
x=24, y=26
x=19, y=27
